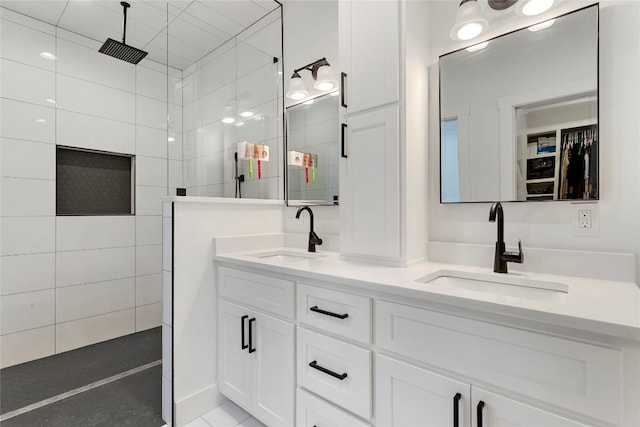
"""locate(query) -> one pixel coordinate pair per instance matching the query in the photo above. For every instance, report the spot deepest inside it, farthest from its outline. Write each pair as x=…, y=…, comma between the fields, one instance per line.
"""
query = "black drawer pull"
x=456, y=412
x=315, y=365
x=479, y=413
x=343, y=89
x=242, y=319
x=343, y=129
x=328, y=313
x=252, y=349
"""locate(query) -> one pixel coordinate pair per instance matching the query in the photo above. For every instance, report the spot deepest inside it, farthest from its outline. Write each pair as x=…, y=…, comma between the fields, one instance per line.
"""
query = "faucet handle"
x=515, y=256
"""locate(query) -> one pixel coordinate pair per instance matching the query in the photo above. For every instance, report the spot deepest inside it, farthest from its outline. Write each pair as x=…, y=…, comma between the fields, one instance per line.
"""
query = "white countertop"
x=606, y=308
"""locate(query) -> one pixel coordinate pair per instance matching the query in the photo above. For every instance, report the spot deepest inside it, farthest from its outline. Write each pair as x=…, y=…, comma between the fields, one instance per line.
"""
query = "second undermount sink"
x=500, y=286
x=287, y=255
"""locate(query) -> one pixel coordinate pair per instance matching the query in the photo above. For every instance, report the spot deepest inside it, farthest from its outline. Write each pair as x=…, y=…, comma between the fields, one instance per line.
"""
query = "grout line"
x=79, y=390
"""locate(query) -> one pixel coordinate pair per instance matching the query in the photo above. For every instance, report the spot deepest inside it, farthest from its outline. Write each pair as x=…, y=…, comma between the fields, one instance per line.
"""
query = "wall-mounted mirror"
x=313, y=151
x=519, y=115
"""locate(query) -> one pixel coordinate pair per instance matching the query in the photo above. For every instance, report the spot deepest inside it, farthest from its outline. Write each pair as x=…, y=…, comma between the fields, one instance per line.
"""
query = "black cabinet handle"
x=252, y=349
x=456, y=412
x=242, y=319
x=342, y=137
x=343, y=89
x=315, y=365
x=479, y=413
x=328, y=313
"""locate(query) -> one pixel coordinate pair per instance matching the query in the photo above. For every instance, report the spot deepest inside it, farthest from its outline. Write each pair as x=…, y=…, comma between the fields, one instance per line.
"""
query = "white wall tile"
x=219, y=71
x=32, y=42
x=167, y=353
x=149, y=200
x=167, y=308
x=77, y=302
x=27, y=273
x=167, y=240
x=94, y=232
x=175, y=175
x=250, y=58
x=29, y=310
x=151, y=171
x=167, y=402
x=27, y=235
x=215, y=103
x=26, y=346
x=174, y=151
x=90, y=330
x=151, y=112
x=151, y=83
x=26, y=159
x=148, y=289
x=27, y=197
x=151, y=142
x=89, y=266
x=84, y=131
x=148, y=260
x=149, y=230
x=90, y=98
x=174, y=119
x=86, y=63
x=19, y=121
x=148, y=316
x=27, y=83
x=253, y=83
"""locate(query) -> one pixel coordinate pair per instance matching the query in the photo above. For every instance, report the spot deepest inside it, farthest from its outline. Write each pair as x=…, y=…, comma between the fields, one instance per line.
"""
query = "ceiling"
x=194, y=27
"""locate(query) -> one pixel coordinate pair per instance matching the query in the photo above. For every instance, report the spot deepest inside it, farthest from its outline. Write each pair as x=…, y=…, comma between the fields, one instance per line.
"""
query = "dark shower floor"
x=113, y=383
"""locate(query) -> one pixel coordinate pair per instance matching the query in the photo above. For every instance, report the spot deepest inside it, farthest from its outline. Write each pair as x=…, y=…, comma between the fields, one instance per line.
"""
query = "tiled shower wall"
x=237, y=77
x=70, y=281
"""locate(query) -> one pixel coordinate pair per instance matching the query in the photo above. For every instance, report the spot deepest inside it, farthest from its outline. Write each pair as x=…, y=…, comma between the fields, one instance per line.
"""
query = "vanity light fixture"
x=322, y=76
x=469, y=21
x=533, y=7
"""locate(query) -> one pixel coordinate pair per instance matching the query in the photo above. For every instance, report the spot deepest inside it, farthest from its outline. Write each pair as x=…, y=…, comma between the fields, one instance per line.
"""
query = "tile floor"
x=227, y=415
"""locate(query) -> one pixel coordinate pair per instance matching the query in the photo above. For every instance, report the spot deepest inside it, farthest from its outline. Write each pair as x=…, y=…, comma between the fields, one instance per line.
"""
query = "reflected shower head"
x=122, y=50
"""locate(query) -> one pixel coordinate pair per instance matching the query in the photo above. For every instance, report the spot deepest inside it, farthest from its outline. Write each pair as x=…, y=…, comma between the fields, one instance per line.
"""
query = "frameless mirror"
x=519, y=114
x=313, y=151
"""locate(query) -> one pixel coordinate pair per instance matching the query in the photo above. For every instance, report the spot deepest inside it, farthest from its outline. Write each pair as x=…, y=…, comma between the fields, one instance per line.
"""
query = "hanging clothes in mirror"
x=578, y=163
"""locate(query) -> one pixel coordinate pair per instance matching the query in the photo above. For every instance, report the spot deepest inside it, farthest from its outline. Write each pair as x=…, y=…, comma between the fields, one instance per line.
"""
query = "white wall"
x=551, y=225
x=238, y=76
x=71, y=281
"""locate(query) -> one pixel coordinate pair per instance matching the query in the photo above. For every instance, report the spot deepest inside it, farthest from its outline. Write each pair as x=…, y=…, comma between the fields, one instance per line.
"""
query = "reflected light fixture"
x=469, y=21
x=533, y=7
x=48, y=55
x=478, y=46
x=322, y=76
x=542, y=25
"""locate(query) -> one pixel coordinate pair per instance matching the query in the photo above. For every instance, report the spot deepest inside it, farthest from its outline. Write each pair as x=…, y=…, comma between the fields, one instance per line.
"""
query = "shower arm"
x=124, y=5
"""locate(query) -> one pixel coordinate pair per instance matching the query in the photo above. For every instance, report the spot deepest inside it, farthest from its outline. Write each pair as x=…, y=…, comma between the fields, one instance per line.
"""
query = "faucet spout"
x=501, y=256
x=313, y=237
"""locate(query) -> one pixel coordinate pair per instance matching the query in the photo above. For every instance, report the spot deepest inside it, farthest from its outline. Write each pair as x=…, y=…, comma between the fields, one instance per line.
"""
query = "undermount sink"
x=287, y=255
x=501, y=286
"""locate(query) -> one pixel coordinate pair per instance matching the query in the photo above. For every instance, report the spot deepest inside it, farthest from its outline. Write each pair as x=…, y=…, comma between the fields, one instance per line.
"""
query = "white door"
x=369, y=44
x=273, y=385
x=492, y=410
x=369, y=186
x=408, y=396
x=234, y=362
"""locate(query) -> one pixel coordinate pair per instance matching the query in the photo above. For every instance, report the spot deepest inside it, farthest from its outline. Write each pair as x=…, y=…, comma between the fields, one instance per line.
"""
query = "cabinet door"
x=234, y=362
x=410, y=396
x=274, y=367
x=369, y=186
x=498, y=411
x=369, y=45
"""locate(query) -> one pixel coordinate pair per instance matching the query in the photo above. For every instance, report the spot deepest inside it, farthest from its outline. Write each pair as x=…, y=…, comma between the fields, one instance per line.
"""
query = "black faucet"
x=313, y=237
x=502, y=257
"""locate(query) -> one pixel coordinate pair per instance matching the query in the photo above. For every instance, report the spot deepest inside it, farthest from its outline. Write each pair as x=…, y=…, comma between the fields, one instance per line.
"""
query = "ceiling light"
x=49, y=56
x=478, y=46
x=533, y=7
x=228, y=120
x=322, y=76
x=247, y=113
x=542, y=25
x=469, y=22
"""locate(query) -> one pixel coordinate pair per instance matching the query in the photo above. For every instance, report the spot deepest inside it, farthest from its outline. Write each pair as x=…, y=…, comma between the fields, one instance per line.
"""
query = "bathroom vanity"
x=314, y=340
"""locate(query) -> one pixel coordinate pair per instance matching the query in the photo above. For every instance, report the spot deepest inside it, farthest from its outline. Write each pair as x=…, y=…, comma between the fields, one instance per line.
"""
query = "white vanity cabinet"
x=256, y=351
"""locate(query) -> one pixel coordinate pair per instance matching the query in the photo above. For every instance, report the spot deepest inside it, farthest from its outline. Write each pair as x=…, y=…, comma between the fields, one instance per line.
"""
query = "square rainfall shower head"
x=122, y=51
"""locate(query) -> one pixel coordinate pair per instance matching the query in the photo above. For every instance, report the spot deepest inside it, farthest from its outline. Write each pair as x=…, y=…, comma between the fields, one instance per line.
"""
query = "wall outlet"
x=584, y=218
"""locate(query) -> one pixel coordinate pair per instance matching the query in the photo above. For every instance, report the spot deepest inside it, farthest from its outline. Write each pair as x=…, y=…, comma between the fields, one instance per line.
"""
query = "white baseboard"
x=198, y=404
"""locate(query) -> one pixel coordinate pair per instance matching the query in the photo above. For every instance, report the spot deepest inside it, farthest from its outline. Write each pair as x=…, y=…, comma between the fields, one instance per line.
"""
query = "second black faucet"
x=313, y=237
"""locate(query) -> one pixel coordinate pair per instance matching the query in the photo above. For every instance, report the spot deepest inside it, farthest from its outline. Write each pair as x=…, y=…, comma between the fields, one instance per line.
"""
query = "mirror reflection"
x=519, y=115
x=312, y=151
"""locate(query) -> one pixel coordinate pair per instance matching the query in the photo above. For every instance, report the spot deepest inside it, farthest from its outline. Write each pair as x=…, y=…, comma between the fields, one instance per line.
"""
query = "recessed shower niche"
x=93, y=182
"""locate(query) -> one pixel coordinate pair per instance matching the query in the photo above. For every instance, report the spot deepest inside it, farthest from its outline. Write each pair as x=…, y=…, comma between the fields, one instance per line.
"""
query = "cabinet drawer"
x=336, y=312
x=312, y=411
x=268, y=294
x=336, y=371
x=580, y=377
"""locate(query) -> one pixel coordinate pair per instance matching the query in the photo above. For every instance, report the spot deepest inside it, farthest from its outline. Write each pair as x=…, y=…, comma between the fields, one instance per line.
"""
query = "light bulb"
x=533, y=7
